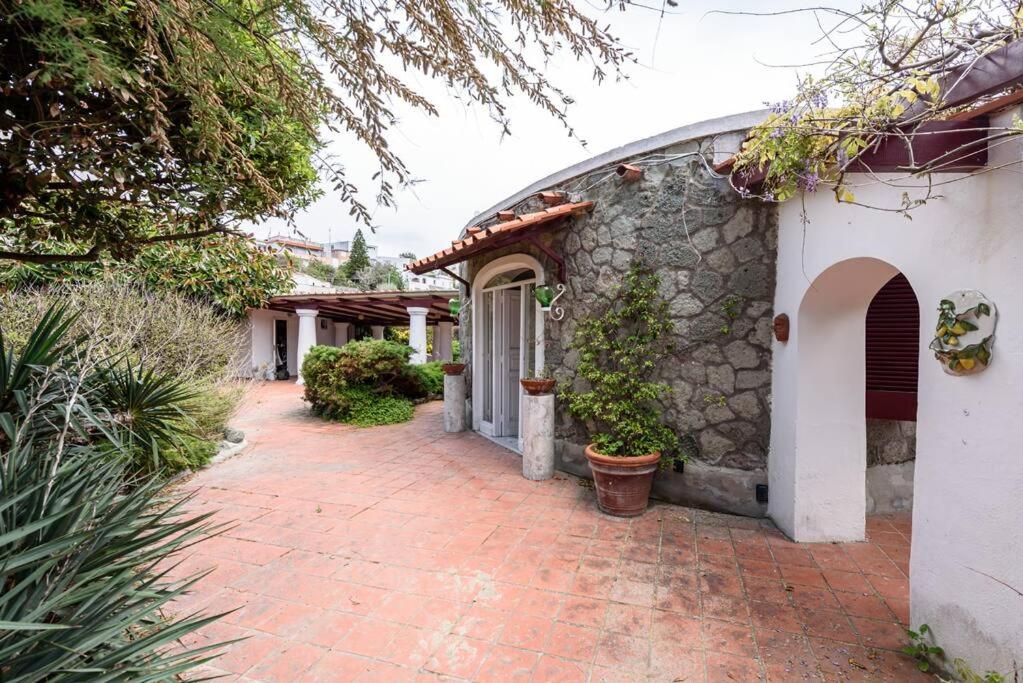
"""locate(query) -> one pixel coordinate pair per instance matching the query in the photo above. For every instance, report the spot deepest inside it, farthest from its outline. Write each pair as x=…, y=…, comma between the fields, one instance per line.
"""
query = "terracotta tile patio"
x=405, y=554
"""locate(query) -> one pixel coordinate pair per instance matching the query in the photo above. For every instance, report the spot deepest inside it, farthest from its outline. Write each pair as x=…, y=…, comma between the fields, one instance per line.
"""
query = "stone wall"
x=890, y=442
x=715, y=254
x=891, y=452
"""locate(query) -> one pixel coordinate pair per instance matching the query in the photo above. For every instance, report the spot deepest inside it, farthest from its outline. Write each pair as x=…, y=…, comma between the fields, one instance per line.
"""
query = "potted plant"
x=452, y=368
x=619, y=352
x=538, y=384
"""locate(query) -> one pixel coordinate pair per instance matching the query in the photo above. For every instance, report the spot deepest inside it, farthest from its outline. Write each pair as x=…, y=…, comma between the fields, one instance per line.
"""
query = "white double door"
x=505, y=342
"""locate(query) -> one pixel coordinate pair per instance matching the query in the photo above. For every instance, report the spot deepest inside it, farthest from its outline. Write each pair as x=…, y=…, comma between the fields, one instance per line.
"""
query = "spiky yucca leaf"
x=84, y=546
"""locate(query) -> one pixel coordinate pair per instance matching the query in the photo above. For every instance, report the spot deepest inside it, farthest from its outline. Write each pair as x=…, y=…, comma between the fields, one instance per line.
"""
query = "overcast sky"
x=697, y=66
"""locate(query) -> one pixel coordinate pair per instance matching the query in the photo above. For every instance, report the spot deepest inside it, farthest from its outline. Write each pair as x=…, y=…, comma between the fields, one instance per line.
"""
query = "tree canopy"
x=225, y=271
x=126, y=124
x=358, y=257
x=379, y=276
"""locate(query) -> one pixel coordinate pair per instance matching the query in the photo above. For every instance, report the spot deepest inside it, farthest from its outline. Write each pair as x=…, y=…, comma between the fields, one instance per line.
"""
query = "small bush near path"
x=368, y=382
x=165, y=333
x=369, y=410
x=432, y=376
x=81, y=534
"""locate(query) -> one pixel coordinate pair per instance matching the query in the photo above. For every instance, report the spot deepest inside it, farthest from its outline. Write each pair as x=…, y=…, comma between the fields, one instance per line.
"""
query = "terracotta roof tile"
x=479, y=237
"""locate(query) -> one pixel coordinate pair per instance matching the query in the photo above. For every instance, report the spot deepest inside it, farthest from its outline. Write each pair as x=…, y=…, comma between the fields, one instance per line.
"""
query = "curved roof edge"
x=692, y=131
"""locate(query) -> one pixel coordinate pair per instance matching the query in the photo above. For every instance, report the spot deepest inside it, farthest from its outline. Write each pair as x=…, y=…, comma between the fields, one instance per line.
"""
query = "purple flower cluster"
x=818, y=99
x=779, y=107
x=808, y=180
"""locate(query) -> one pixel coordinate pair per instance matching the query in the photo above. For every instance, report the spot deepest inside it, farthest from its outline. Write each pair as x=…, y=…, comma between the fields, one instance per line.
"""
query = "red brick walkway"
x=402, y=553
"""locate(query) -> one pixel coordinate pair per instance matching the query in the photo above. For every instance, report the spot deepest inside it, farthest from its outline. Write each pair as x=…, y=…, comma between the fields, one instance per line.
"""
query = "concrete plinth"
x=538, y=437
x=454, y=403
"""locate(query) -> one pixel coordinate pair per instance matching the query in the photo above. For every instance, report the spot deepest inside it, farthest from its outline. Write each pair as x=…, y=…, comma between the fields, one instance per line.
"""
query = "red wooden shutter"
x=893, y=337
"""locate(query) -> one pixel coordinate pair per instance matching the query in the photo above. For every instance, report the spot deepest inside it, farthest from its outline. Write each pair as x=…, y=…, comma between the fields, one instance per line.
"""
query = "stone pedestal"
x=538, y=437
x=454, y=403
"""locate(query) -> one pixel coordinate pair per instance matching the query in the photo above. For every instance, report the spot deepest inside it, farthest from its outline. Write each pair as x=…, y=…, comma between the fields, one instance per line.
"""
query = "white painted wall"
x=967, y=552
x=324, y=332
x=261, y=331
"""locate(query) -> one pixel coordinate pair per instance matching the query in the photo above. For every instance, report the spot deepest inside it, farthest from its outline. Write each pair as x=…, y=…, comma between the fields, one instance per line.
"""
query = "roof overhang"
x=480, y=239
x=370, y=308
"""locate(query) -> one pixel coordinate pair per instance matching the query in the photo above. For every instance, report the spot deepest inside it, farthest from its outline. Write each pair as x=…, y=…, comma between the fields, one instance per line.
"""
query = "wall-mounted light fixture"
x=781, y=327
x=629, y=173
x=546, y=296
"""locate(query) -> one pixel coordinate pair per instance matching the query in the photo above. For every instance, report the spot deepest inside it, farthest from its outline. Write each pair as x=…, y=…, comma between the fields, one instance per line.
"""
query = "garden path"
x=402, y=553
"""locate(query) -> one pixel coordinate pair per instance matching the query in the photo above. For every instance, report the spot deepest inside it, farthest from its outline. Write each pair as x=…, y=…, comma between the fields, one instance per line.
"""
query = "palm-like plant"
x=145, y=407
x=80, y=588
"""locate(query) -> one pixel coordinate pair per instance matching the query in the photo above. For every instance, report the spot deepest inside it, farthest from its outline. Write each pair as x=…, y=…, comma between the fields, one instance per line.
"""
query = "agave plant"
x=83, y=555
x=145, y=407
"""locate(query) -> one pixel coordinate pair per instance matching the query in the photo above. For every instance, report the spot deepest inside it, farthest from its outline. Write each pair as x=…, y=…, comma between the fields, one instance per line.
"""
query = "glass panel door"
x=486, y=374
x=511, y=310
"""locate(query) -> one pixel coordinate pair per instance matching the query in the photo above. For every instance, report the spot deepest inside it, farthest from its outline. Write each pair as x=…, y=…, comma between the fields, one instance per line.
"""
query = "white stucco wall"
x=967, y=549
x=324, y=332
x=261, y=331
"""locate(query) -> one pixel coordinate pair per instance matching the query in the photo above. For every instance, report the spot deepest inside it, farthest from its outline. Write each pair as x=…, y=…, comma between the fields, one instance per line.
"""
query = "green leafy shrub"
x=168, y=332
x=431, y=375
x=227, y=273
x=187, y=453
x=618, y=353
x=165, y=333
x=365, y=382
x=79, y=546
x=373, y=361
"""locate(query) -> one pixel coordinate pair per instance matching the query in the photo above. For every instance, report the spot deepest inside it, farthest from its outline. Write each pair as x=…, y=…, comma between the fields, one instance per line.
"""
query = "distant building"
x=429, y=281
x=299, y=248
x=336, y=253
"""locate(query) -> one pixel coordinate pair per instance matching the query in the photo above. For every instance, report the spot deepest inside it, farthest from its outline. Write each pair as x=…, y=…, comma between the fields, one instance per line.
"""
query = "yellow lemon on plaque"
x=967, y=363
x=953, y=341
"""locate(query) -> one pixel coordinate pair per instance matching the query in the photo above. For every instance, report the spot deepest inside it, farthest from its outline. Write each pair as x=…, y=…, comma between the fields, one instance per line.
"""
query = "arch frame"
x=817, y=469
x=484, y=275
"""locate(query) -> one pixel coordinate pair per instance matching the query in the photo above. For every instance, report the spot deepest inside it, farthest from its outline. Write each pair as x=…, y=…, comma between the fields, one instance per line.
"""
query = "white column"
x=306, y=335
x=341, y=334
x=378, y=331
x=417, y=333
x=442, y=341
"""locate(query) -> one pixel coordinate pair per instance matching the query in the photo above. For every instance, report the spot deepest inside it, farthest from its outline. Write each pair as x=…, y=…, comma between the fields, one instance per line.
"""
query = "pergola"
x=378, y=310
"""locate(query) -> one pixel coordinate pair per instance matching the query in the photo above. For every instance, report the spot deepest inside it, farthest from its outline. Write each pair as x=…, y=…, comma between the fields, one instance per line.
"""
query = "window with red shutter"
x=893, y=338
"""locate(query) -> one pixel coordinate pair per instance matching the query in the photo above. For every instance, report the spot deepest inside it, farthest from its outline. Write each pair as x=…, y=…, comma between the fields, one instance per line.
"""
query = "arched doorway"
x=819, y=456
x=507, y=333
x=892, y=374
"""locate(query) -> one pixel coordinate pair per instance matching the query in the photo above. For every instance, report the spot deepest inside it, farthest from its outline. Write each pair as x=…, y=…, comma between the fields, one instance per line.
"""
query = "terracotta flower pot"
x=453, y=368
x=538, y=387
x=622, y=483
